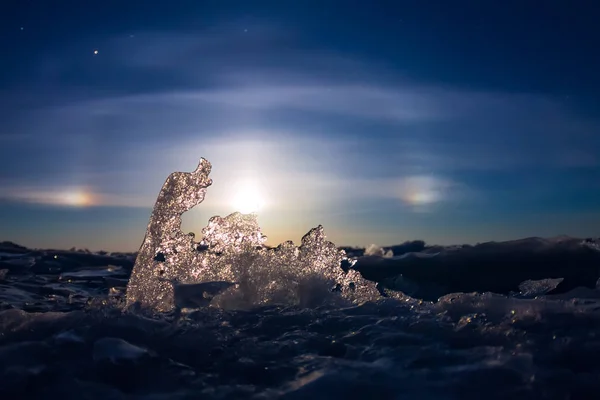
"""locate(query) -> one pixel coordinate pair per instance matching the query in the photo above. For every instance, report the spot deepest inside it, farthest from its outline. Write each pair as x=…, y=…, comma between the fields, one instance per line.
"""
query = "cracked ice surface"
x=170, y=264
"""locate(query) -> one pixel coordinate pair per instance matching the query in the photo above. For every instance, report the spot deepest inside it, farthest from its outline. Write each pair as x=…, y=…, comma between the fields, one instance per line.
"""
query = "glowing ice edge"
x=231, y=262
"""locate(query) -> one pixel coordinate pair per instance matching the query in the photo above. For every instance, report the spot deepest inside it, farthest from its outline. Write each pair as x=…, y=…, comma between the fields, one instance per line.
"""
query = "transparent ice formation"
x=231, y=263
x=166, y=251
x=374, y=250
x=532, y=288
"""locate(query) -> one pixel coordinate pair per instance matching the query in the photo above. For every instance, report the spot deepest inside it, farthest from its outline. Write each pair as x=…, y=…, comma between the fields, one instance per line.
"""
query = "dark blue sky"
x=384, y=121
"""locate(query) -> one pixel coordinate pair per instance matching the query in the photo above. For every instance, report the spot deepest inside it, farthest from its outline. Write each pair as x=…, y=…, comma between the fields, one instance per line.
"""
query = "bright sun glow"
x=75, y=199
x=247, y=199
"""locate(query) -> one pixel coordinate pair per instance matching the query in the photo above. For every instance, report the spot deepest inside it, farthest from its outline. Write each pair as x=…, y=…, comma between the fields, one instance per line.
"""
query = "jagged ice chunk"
x=170, y=265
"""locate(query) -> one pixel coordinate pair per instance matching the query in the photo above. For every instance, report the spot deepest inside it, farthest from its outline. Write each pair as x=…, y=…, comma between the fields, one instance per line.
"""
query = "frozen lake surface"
x=64, y=332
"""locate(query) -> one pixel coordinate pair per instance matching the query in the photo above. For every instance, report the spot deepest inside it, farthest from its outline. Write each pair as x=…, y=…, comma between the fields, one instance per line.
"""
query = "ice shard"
x=170, y=265
x=166, y=251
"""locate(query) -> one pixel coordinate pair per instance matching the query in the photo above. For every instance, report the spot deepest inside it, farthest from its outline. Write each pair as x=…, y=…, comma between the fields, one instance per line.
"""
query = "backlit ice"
x=232, y=251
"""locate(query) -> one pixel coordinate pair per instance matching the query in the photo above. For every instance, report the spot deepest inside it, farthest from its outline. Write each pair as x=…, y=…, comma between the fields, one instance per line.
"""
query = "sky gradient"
x=451, y=122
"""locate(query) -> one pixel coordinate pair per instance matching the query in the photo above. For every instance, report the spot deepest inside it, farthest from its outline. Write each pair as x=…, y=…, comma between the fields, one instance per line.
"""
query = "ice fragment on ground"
x=68, y=337
x=374, y=250
x=117, y=350
x=170, y=264
x=592, y=243
x=532, y=288
x=25, y=262
x=180, y=193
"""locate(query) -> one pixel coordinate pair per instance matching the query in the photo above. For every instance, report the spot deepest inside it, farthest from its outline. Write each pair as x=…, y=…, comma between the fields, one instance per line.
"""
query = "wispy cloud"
x=412, y=133
x=312, y=126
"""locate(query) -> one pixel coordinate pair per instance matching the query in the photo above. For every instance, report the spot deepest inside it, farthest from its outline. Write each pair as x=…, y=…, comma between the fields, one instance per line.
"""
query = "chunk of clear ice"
x=232, y=251
x=151, y=279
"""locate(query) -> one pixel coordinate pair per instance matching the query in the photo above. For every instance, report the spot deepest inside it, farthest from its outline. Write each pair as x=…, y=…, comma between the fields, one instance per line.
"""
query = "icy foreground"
x=295, y=322
x=559, y=265
x=173, y=271
x=74, y=340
